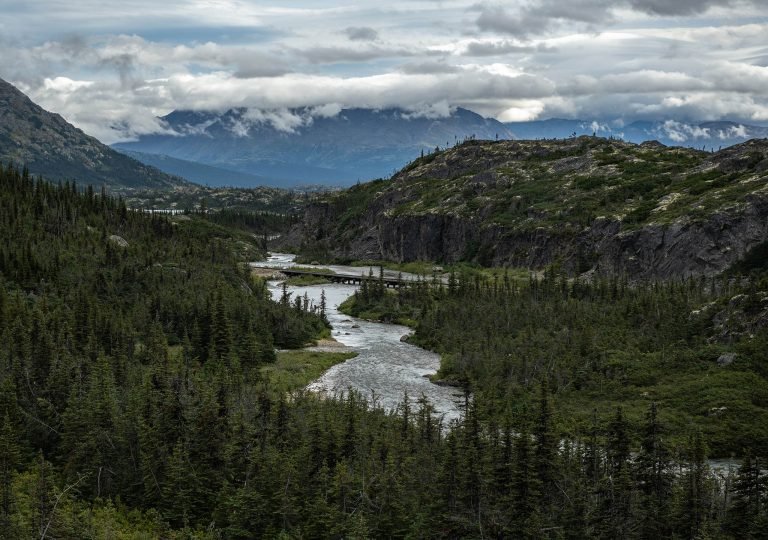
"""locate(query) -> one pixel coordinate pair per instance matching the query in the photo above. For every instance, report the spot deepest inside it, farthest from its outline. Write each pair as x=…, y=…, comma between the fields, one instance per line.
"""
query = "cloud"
x=118, y=66
x=496, y=18
x=329, y=110
x=123, y=64
x=597, y=127
x=495, y=48
x=648, y=81
x=213, y=91
x=681, y=133
x=678, y=7
x=133, y=59
x=240, y=122
x=100, y=107
x=197, y=129
x=286, y=120
x=523, y=110
x=281, y=119
x=634, y=82
x=104, y=110
x=361, y=33
x=733, y=132
x=331, y=55
x=430, y=111
x=543, y=16
x=429, y=67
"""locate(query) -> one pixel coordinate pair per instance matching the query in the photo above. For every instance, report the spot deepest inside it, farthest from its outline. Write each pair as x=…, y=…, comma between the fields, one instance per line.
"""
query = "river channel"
x=385, y=367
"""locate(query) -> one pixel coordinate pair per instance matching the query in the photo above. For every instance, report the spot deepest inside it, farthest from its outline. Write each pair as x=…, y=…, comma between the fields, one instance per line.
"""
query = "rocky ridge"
x=585, y=205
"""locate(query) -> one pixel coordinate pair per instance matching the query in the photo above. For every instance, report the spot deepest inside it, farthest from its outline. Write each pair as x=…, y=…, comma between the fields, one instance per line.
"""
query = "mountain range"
x=201, y=173
x=246, y=147
x=304, y=146
x=703, y=136
x=308, y=146
x=48, y=145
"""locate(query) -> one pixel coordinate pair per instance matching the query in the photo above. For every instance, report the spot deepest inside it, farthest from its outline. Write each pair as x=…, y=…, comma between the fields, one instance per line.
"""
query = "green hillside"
x=583, y=203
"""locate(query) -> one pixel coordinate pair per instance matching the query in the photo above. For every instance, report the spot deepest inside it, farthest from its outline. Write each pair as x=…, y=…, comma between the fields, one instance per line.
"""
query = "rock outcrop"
x=482, y=203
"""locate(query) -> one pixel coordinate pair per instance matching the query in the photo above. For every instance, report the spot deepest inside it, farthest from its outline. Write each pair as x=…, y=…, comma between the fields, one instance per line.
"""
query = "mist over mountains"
x=298, y=147
x=707, y=135
x=307, y=146
x=328, y=145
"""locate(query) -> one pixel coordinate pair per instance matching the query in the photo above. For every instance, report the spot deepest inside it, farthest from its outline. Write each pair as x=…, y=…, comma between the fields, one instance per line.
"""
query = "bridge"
x=341, y=278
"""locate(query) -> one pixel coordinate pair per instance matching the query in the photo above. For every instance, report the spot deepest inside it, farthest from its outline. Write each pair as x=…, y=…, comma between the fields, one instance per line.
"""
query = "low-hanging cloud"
x=430, y=94
x=681, y=133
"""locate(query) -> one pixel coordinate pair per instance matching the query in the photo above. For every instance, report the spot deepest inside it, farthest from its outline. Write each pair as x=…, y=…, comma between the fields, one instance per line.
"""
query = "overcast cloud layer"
x=112, y=68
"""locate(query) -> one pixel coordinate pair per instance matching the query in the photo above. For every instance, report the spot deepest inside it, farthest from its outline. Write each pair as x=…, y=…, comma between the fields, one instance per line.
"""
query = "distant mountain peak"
x=313, y=145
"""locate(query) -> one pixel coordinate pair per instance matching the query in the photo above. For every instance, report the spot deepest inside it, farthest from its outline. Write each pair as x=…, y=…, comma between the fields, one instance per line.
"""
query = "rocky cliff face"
x=585, y=205
x=682, y=248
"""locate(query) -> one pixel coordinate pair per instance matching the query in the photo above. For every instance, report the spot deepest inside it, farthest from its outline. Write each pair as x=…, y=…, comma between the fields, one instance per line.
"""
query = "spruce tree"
x=748, y=498
x=654, y=478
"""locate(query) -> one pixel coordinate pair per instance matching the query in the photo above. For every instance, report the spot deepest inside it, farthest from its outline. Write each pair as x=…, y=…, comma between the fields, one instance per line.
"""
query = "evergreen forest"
x=133, y=403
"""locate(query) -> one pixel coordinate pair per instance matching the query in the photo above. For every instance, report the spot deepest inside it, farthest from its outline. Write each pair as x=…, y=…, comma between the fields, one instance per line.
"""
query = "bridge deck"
x=340, y=278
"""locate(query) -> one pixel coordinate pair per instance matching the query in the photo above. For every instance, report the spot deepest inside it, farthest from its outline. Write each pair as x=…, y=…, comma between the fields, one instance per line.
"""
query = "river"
x=385, y=367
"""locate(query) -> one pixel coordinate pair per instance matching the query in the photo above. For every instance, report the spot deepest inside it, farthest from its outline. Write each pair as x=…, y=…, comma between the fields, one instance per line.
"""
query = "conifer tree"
x=748, y=498
x=654, y=478
x=10, y=457
x=545, y=449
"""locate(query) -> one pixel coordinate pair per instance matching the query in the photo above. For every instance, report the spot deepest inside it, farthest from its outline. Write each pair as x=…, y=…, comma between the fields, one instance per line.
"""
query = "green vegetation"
x=561, y=186
x=601, y=345
x=314, y=270
x=191, y=197
x=303, y=281
x=124, y=334
x=421, y=268
x=294, y=370
x=357, y=198
x=140, y=398
x=387, y=308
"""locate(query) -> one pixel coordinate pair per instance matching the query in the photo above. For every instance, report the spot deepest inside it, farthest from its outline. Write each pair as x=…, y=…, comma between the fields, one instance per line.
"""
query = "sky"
x=114, y=67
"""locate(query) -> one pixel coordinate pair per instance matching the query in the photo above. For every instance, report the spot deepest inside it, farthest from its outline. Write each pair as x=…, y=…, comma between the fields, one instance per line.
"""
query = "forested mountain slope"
x=48, y=145
x=584, y=204
x=125, y=337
